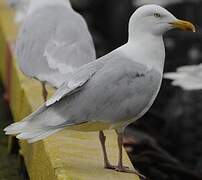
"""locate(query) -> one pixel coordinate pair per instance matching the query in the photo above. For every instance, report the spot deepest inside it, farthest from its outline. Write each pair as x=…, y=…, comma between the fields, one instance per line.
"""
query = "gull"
x=112, y=91
x=187, y=77
x=53, y=42
x=20, y=6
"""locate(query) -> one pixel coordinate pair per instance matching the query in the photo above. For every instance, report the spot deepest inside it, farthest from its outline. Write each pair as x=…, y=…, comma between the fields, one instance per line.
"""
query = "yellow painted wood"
x=9, y=28
x=67, y=155
x=2, y=56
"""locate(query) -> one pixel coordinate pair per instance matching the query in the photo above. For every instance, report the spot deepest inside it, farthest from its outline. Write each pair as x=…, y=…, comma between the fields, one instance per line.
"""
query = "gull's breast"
x=144, y=94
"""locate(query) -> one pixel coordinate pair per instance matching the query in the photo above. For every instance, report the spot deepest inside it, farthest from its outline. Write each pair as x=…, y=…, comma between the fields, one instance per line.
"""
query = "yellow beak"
x=184, y=25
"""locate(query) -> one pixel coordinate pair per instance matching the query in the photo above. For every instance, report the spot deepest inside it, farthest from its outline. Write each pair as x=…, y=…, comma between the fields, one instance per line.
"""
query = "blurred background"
x=166, y=144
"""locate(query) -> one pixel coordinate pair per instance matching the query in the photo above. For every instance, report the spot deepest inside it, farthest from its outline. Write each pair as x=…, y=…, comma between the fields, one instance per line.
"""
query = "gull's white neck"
x=146, y=49
x=36, y=4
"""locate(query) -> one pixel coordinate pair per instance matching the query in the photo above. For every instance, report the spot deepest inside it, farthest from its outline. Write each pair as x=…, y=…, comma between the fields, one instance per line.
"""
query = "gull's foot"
x=127, y=170
x=109, y=166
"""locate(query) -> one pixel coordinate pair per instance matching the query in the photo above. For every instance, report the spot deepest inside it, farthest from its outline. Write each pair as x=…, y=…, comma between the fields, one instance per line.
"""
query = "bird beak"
x=184, y=25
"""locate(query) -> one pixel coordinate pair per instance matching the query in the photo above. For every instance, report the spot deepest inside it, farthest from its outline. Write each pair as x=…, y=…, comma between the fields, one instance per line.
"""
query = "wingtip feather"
x=15, y=128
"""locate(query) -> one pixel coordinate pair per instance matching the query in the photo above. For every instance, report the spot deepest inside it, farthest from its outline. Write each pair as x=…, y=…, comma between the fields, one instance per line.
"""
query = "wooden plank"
x=66, y=155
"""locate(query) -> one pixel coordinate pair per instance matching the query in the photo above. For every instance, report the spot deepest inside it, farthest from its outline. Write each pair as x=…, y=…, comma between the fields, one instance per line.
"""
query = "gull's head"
x=155, y=20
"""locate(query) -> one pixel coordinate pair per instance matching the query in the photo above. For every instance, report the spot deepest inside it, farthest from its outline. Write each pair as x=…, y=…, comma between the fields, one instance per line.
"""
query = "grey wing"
x=71, y=46
x=76, y=81
x=56, y=47
x=120, y=91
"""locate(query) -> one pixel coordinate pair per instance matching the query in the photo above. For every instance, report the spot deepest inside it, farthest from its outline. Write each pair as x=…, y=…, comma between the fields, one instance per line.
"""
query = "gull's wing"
x=38, y=125
x=61, y=45
x=71, y=46
x=187, y=77
x=66, y=57
x=80, y=77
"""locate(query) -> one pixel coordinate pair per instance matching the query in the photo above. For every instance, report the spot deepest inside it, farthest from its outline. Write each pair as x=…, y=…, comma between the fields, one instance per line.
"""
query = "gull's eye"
x=157, y=15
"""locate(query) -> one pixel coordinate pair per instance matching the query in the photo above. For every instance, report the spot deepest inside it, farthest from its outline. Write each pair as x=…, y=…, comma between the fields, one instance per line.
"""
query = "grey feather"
x=77, y=80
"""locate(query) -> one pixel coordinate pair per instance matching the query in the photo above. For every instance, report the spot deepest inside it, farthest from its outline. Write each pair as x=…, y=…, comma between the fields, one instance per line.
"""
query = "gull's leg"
x=120, y=166
x=44, y=91
x=120, y=144
x=107, y=164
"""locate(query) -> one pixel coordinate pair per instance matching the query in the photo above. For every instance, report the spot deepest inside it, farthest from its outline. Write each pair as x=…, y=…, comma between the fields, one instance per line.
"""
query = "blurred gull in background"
x=53, y=42
x=111, y=92
x=187, y=77
x=158, y=2
x=20, y=7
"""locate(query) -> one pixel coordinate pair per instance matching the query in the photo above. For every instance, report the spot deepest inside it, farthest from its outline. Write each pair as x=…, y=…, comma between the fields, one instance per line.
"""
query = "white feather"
x=187, y=77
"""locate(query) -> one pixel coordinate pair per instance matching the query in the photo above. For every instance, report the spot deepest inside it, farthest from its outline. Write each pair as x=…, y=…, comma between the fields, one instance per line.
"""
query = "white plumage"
x=187, y=77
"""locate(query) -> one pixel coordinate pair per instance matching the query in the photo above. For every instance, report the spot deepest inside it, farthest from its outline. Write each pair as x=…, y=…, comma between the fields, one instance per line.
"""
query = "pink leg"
x=120, y=167
x=107, y=164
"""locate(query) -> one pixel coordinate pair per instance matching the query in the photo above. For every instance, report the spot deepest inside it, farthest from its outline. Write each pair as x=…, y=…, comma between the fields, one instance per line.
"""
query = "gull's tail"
x=33, y=128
